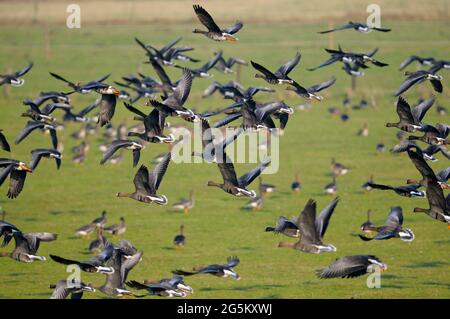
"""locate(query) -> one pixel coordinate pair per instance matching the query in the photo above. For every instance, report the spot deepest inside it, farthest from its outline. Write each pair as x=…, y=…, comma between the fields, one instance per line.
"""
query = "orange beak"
x=116, y=92
x=26, y=169
x=230, y=38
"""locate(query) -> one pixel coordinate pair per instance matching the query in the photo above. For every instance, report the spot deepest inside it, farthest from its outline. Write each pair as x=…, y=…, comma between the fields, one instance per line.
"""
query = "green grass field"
x=61, y=201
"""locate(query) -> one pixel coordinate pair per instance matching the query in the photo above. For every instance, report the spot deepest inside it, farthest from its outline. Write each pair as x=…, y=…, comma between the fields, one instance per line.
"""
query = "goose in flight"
x=202, y=72
x=360, y=27
x=27, y=246
x=310, y=92
x=15, y=78
x=39, y=153
x=225, y=270
x=94, y=265
x=411, y=190
x=433, y=135
x=214, y=31
x=410, y=120
x=17, y=171
x=412, y=58
x=4, y=145
x=116, y=145
x=281, y=75
x=55, y=97
x=312, y=229
x=392, y=228
x=36, y=114
x=63, y=288
x=413, y=78
x=231, y=184
x=147, y=183
x=351, y=266
x=32, y=126
x=286, y=227
x=81, y=88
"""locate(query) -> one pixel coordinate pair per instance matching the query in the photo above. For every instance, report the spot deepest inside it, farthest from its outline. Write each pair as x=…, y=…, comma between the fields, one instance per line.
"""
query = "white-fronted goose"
x=14, y=78
x=158, y=289
x=286, y=227
x=366, y=186
x=27, y=246
x=410, y=119
x=338, y=169
x=39, y=153
x=265, y=188
x=147, y=184
x=202, y=72
x=176, y=282
x=255, y=203
x=281, y=75
x=32, y=126
x=117, y=229
x=433, y=135
x=411, y=190
x=296, y=186
x=366, y=226
x=214, y=31
x=180, y=239
x=413, y=78
x=225, y=270
x=62, y=289
x=185, y=204
x=81, y=88
x=392, y=228
x=412, y=58
x=351, y=266
x=116, y=145
x=360, y=27
x=310, y=92
x=17, y=172
x=313, y=229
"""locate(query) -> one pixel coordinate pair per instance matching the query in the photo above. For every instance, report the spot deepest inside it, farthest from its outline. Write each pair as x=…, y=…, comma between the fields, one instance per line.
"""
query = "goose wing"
x=321, y=86
x=234, y=28
x=183, y=88
x=408, y=61
x=286, y=68
x=114, y=147
x=206, y=19
x=134, y=110
x=331, y=60
x=156, y=176
x=346, y=267
x=129, y=263
x=437, y=85
x=227, y=120
x=5, y=173
x=342, y=27
x=24, y=70
x=226, y=168
x=409, y=82
x=404, y=111
x=421, y=165
x=307, y=224
x=141, y=182
x=418, y=112
x=249, y=177
x=59, y=77
x=394, y=219
x=232, y=261
x=30, y=127
x=263, y=70
x=323, y=219
x=4, y=143
x=443, y=175
x=16, y=183
x=435, y=196
x=380, y=186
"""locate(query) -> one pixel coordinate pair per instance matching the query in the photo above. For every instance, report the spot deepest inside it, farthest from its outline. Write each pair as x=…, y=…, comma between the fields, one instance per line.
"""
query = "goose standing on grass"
x=312, y=90
x=265, y=188
x=27, y=246
x=180, y=239
x=4, y=145
x=225, y=270
x=14, y=78
x=419, y=77
x=392, y=228
x=39, y=153
x=214, y=31
x=351, y=266
x=85, y=231
x=255, y=203
x=366, y=186
x=410, y=119
x=366, y=227
x=146, y=184
x=286, y=227
x=185, y=204
x=331, y=188
x=296, y=186
x=64, y=288
x=97, y=244
x=17, y=172
x=313, y=229
x=338, y=169
x=94, y=265
x=32, y=126
x=116, y=145
x=364, y=131
x=360, y=27
x=281, y=75
x=231, y=184
x=117, y=229
x=438, y=206
x=99, y=222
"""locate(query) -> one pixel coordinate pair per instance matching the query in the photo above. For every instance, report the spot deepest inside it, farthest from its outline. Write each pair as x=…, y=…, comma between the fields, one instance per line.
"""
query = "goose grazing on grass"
x=85, y=231
x=438, y=205
x=281, y=75
x=185, y=204
x=286, y=227
x=366, y=186
x=32, y=126
x=27, y=246
x=4, y=145
x=313, y=229
x=116, y=145
x=231, y=184
x=94, y=265
x=411, y=190
x=225, y=270
x=413, y=78
x=124, y=258
x=265, y=188
x=17, y=172
x=366, y=226
x=331, y=188
x=412, y=58
x=154, y=124
x=173, y=104
x=410, y=119
x=360, y=27
x=351, y=266
x=180, y=239
x=63, y=288
x=214, y=31
x=255, y=203
x=296, y=186
x=14, y=78
x=312, y=90
x=147, y=183
x=117, y=229
x=433, y=135
x=392, y=228
x=39, y=153
x=338, y=169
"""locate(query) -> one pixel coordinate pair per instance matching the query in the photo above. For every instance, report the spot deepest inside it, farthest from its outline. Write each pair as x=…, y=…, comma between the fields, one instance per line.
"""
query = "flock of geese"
x=116, y=261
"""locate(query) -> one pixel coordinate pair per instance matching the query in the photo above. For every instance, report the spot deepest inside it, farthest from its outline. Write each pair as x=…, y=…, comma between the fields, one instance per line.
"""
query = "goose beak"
x=26, y=169
x=230, y=38
x=116, y=92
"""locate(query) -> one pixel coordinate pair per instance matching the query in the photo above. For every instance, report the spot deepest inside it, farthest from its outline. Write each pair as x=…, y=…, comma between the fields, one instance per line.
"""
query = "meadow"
x=218, y=227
